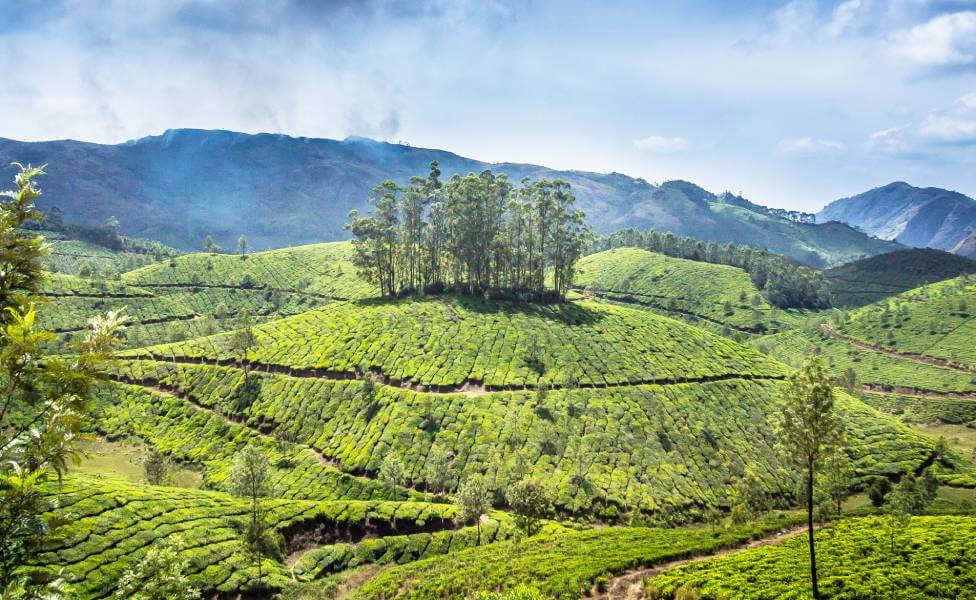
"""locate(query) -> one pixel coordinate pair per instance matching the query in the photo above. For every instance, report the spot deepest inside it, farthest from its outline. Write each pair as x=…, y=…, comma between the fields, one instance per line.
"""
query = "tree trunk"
x=813, y=553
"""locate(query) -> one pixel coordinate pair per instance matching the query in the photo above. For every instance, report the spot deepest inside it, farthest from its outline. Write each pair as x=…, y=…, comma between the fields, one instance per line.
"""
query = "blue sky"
x=794, y=103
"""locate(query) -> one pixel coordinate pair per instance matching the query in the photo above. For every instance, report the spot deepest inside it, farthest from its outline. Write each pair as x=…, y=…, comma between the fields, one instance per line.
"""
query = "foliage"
x=160, y=575
x=786, y=283
x=711, y=292
x=392, y=472
x=563, y=565
x=45, y=397
x=854, y=562
x=472, y=501
x=472, y=234
x=530, y=503
x=811, y=431
x=871, y=279
x=155, y=467
x=934, y=321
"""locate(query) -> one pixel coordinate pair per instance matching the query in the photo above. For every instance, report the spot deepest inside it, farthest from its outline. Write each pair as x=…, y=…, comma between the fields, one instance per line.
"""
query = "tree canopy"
x=785, y=283
x=471, y=234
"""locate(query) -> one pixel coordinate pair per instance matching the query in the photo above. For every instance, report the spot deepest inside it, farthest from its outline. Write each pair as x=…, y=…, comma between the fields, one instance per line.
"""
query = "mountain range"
x=279, y=190
x=920, y=217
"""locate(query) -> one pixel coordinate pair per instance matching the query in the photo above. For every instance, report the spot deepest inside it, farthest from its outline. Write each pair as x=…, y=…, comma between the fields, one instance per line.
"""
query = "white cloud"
x=949, y=129
x=844, y=18
x=661, y=145
x=948, y=40
x=808, y=146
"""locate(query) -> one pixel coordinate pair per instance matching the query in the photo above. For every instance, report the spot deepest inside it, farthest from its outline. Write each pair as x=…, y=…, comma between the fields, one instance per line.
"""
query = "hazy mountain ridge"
x=921, y=217
x=280, y=190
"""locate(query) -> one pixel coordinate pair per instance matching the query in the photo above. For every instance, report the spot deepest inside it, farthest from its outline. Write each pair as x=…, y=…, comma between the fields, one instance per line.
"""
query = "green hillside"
x=111, y=524
x=320, y=269
x=871, y=279
x=716, y=293
x=932, y=557
x=450, y=342
x=936, y=321
x=825, y=244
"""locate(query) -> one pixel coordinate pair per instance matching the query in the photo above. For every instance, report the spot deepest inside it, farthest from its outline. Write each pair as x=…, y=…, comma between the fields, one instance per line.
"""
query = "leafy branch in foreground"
x=45, y=398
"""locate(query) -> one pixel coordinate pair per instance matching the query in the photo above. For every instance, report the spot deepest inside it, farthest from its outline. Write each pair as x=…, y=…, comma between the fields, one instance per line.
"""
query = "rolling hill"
x=868, y=280
x=921, y=217
x=283, y=191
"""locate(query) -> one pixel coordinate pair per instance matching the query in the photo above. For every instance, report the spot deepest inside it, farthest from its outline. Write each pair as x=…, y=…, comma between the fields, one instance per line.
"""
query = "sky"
x=793, y=103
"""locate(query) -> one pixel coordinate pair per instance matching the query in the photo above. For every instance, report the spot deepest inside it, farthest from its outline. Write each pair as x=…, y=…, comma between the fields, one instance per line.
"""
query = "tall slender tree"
x=810, y=431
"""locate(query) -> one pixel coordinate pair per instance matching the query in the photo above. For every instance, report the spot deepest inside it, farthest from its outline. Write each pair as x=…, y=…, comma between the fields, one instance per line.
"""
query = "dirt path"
x=630, y=585
x=919, y=358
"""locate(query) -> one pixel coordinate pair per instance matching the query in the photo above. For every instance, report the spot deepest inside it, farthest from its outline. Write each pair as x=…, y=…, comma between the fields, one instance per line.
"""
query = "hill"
x=719, y=294
x=283, y=191
x=936, y=322
x=920, y=217
x=868, y=280
x=939, y=553
x=967, y=247
x=614, y=408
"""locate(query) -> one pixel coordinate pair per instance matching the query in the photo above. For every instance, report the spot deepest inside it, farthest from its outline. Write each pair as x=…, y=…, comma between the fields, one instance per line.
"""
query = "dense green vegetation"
x=470, y=234
x=718, y=293
x=559, y=566
x=454, y=341
x=873, y=368
x=112, y=523
x=936, y=321
x=663, y=449
x=871, y=279
x=932, y=557
x=784, y=282
x=317, y=269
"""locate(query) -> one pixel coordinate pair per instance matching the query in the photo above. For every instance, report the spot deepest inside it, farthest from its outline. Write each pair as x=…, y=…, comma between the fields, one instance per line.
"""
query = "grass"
x=874, y=368
x=931, y=558
x=323, y=269
x=125, y=459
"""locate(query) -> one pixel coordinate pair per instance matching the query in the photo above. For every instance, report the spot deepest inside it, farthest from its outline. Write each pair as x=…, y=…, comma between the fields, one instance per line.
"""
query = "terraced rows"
x=937, y=321
x=933, y=557
x=654, y=448
x=718, y=293
x=191, y=435
x=112, y=523
x=452, y=342
x=324, y=269
x=873, y=368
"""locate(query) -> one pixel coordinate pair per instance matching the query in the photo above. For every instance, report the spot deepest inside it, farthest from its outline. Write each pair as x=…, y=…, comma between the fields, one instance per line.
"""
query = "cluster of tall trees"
x=785, y=283
x=472, y=234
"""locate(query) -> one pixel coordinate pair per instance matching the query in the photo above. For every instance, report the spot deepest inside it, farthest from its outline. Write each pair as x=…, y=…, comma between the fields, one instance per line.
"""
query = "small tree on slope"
x=810, y=431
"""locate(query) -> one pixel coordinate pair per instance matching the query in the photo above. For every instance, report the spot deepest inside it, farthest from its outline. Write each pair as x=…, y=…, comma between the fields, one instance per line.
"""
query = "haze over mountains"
x=280, y=190
x=922, y=217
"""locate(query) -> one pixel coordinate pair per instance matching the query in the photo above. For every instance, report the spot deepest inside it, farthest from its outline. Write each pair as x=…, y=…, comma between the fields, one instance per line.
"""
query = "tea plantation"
x=658, y=448
x=937, y=321
x=932, y=557
x=320, y=269
x=450, y=342
x=110, y=524
x=717, y=293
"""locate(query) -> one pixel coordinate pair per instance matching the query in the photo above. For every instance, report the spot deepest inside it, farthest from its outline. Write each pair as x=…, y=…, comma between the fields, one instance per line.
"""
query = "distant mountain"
x=966, y=247
x=919, y=217
x=281, y=191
